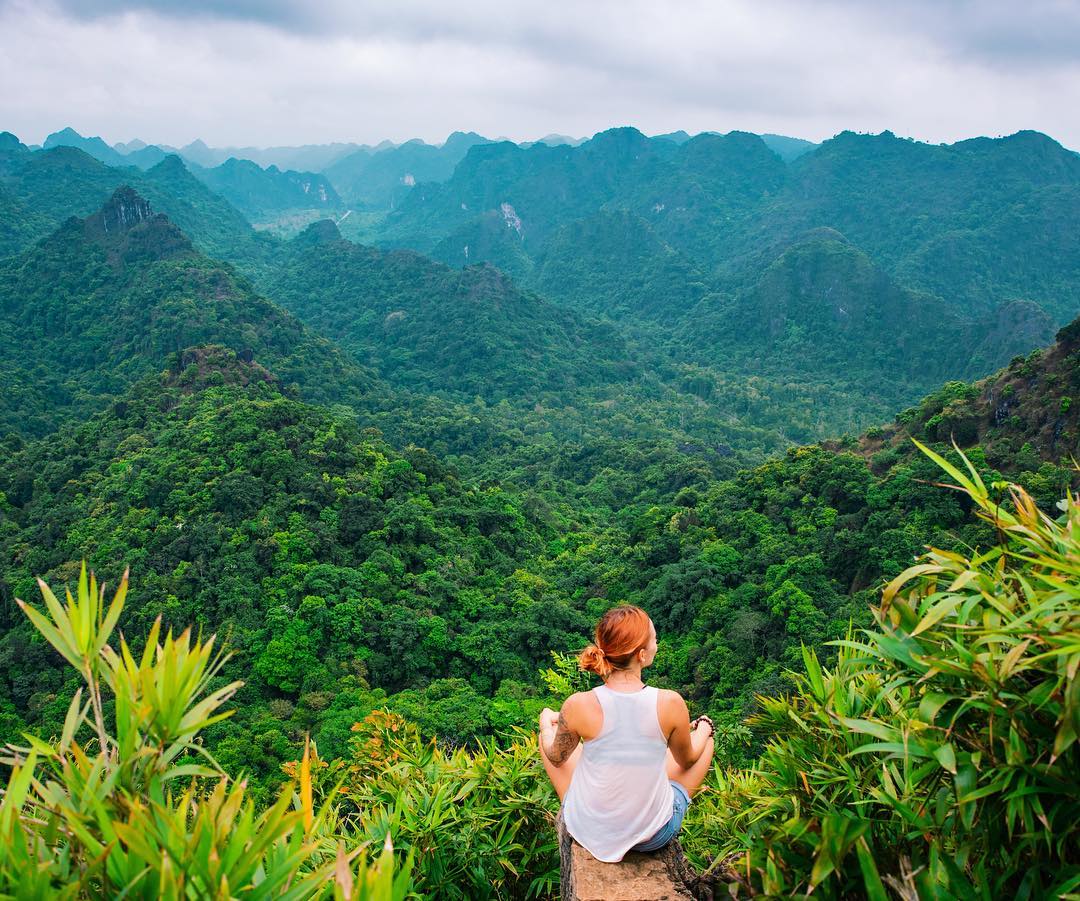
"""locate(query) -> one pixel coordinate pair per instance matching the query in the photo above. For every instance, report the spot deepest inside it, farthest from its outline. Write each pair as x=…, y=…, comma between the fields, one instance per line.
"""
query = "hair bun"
x=594, y=660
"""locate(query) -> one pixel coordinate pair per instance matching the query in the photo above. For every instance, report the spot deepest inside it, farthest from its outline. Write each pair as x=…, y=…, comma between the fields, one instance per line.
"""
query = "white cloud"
x=271, y=73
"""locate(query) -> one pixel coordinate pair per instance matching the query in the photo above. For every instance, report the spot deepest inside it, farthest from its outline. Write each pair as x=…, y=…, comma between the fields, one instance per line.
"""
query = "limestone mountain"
x=135, y=153
x=676, y=137
x=487, y=238
x=536, y=188
x=824, y=309
x=1026, y=412
x=787, y=148
x=978, y=223
x=547, y=187
x=107, y=299
x=553, y=140
x=64, y=181
x=10, y=145
x=424, y=325
x=259, y=193
x=380, y=180
x=613, y=263
x=94, y=146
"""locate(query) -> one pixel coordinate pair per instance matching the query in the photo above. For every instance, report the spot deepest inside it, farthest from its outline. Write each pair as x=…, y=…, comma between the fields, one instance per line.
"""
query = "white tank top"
x=619, y=794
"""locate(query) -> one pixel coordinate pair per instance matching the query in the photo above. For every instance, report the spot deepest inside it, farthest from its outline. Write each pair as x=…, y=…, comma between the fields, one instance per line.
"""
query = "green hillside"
x=613, y=263
x=62, y=182
x=379, y=179
x=261, y=193
x=334, y=562
x=824, y=307
x=111, y=298
x=325, y=554
x=425, y=326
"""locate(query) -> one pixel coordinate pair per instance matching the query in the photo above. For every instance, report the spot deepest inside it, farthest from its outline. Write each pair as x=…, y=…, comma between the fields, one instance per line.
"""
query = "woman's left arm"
x=686, y=745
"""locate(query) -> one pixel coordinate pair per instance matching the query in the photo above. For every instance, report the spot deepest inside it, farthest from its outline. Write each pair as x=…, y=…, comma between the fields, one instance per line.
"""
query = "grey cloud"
x=281, y=72
x=1034, y=33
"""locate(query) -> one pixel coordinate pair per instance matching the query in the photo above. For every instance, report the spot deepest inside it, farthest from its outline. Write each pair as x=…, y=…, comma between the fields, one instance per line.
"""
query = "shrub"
x=479, y=822
x=938, y=758
x=143, y=811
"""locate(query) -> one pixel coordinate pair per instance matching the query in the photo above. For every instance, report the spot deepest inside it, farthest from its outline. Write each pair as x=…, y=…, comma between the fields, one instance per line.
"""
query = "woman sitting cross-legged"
x=624, y=758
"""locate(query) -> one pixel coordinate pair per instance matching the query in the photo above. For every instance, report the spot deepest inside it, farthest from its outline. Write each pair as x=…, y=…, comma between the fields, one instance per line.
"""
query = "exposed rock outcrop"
x=124, y=211
x=664, y=875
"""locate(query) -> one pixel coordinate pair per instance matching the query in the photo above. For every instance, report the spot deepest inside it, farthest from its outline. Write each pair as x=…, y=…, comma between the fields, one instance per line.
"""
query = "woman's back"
x=620, y=794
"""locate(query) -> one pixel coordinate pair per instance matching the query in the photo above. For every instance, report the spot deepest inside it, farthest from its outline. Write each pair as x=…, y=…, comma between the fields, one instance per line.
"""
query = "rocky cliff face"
x=124, y=211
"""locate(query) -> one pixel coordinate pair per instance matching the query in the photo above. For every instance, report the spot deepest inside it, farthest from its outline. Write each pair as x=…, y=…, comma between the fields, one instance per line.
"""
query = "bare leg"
x=692, y=778
x=560, y=776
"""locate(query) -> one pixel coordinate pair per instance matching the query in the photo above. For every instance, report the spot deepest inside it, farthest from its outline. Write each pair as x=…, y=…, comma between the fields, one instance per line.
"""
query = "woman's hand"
x=703, y=720
x=549, y=719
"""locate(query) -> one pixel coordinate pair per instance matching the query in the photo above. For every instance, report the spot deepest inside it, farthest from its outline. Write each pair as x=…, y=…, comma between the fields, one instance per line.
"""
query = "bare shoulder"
x=581, y=713
x=670, y=699
x=582, y=702
x=671, y=710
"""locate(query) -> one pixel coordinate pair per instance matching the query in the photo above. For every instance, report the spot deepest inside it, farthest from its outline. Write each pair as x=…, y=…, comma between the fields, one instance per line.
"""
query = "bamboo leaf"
x=946, y=756
x=912, y=572
x=872, y=885
x=305, y=786
x=76, y=716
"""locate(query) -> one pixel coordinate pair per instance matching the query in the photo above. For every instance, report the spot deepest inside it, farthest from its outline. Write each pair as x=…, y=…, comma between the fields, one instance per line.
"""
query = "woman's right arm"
x=557, y=738
x=685, y=746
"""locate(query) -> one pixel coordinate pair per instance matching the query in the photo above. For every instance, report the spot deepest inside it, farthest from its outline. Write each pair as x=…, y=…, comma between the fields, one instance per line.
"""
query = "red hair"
x=620, y=634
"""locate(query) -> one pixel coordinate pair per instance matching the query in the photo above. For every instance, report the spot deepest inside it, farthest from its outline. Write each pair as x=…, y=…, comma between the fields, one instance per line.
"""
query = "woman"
x=624, y=758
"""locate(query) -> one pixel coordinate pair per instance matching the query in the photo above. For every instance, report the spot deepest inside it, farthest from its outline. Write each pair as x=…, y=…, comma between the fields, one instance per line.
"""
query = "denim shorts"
x=671, y=828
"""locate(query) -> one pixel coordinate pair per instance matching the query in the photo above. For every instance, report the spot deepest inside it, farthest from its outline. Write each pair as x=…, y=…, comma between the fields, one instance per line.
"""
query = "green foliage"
x=351, y=577
x=147, y=813
x=938, y=757
x=564, y=677
x=424, y=326
x=340, y=569
x=480, y=823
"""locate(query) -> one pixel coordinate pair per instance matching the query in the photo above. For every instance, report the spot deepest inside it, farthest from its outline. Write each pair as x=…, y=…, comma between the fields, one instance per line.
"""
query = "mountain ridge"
x=106, y=299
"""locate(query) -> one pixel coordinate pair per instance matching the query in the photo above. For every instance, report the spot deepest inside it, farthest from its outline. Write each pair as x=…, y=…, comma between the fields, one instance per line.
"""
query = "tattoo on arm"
x=563, y=743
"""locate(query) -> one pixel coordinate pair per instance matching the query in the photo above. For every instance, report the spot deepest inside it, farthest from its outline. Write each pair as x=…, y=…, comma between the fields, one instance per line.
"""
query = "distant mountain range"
x=862, y=271
x=375, y=177
x=979, y=223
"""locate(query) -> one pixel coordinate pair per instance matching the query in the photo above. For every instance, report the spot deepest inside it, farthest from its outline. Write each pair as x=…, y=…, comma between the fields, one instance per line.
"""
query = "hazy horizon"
x=441, y=141
x=284, y=74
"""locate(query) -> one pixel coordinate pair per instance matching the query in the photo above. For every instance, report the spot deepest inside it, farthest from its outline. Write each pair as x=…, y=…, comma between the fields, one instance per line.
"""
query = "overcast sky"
x=285, y=72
